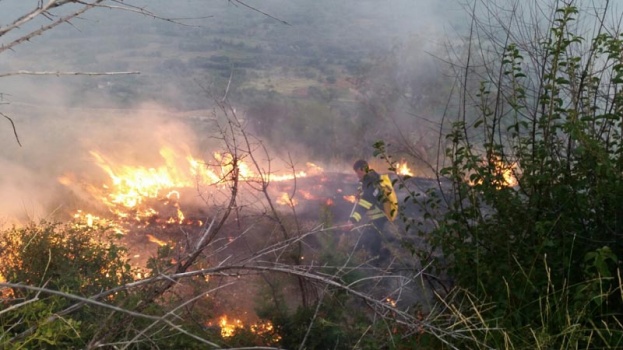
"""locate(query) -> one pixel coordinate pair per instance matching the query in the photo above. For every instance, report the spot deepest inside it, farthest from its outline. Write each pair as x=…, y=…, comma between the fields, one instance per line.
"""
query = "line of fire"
x=162, y=205
x=279, y=216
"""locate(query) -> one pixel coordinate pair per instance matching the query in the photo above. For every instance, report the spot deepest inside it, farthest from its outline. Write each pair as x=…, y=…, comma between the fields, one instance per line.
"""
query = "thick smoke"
x=56, y=142
x=59, y=120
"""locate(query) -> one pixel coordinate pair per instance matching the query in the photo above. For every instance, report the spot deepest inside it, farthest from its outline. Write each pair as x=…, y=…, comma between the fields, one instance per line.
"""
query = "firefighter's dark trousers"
x=372, y=239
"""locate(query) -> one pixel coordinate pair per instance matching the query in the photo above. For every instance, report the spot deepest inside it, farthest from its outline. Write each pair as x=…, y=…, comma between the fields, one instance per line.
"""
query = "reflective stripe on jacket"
x=370, y=210
x=367, y=202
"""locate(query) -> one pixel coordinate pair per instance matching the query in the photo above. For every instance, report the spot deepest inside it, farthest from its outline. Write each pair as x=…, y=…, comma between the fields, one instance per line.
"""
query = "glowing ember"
x=156, y=240
x=226, y=162
x=82, y=219
x=228, y=329
x=285, y=199
x=403, y=169
x=264, y=328
x=273, y=177
x=350, y=199
x=306, y=194
x=314, y=169
x=6, y=293
x=507, y=171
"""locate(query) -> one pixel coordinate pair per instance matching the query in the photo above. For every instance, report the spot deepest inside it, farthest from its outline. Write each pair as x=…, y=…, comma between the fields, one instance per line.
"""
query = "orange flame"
x=82, y=219
x=314, y=169
x=156, y=240
x=402, y=168
x=265, y=327
x=507, y=171
x=131, y=187
x=285, y=199
x=306, y=194
x=228, y=329
x=350, y=199
x=390, y=301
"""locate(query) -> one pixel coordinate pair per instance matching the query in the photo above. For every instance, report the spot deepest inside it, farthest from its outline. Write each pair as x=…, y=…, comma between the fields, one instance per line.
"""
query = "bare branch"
x=60, y=73
x=77, y=298
x=172, y=312
x=144, y=12
x=258, y=10
x=32, y=15
x=309, y=328
x=29, y=16
x=13, y=126
x=17, y=306
x=96, y=303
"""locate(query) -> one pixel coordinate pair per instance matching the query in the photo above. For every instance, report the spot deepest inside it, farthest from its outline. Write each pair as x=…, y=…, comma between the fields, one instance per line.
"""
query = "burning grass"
x=155, y=193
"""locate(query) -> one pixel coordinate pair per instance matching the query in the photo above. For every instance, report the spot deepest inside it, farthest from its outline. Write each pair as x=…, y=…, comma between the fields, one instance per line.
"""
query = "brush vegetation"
x=535, y=265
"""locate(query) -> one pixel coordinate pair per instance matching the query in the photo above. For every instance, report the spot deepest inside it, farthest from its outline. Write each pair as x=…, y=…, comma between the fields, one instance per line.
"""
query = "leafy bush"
x=544, y=254
x=68, y=258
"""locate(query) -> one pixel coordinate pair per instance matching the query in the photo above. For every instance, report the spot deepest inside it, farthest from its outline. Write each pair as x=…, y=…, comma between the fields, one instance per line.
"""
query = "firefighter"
x=376, y=204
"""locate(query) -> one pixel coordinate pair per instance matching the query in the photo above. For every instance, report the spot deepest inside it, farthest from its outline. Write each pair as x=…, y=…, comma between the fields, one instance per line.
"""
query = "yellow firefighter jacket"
x=377, y=199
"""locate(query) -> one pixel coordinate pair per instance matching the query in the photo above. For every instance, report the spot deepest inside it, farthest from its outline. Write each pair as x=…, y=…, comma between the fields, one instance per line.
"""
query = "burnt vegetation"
x=509, y=226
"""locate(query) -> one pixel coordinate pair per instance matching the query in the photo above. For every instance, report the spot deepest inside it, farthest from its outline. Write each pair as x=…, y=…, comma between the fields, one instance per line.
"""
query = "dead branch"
x=172, y=312
x=30, y=16
x=265, y=182
x=159, y=287
x=14, y=129
x=43, y=29
x=258, y=10
x=254, y=264
x=61, y=73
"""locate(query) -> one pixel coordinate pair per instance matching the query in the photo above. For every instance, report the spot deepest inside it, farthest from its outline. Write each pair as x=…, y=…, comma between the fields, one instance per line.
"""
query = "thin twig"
x=14, y=129
x=61, y=73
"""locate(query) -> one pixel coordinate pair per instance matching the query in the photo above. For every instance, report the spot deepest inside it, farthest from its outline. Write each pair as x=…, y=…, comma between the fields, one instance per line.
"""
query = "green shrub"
x=544, y=254
x=68, y=258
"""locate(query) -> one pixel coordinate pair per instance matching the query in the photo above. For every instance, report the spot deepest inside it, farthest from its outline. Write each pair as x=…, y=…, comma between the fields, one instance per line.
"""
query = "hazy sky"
x=57, y=131
x=59, y=119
